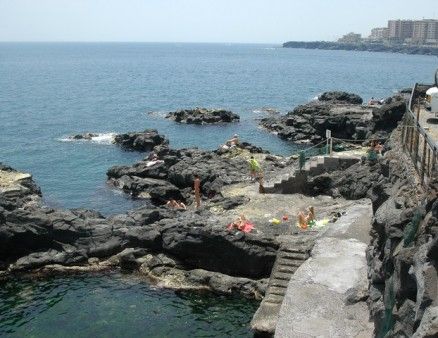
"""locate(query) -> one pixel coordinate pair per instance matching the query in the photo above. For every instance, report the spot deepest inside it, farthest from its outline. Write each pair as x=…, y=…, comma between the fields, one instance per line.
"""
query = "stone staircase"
x=295, y=182
x=294, y=251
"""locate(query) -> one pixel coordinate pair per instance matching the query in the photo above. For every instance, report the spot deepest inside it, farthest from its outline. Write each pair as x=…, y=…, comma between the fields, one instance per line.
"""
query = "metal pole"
x=331, y=146
x=423, y=160
x=403, y=136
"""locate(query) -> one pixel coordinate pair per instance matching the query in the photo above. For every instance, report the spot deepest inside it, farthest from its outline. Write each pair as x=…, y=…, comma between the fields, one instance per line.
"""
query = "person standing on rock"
x=254, y=168
x=197, y=188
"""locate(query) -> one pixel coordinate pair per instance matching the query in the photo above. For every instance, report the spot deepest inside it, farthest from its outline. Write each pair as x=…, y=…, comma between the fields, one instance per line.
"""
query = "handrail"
x=410, y=139
x=423, y=132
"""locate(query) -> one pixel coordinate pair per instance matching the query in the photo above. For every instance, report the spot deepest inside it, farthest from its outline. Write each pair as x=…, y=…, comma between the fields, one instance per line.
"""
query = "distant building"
x=351, y=38
x=432, y=32
x=379, y=34
x=419, y=33
x=416, y=31
x=399, y=30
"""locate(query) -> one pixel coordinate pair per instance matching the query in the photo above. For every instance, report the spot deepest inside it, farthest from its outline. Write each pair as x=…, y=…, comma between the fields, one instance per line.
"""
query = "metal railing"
x=417, y=142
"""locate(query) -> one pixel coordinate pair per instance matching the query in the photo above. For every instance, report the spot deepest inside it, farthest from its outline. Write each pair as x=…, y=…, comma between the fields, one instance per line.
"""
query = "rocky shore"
x=192, y=249
x=340, y=112
x=34, y=237
x=368, y=47
x=203, y=116
x=183, y=249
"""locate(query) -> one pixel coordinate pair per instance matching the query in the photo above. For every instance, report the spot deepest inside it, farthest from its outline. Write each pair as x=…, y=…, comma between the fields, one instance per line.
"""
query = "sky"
x=247, y=21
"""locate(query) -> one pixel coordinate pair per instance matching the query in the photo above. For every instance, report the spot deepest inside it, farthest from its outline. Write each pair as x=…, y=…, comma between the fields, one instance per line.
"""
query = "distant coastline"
x=369, y=47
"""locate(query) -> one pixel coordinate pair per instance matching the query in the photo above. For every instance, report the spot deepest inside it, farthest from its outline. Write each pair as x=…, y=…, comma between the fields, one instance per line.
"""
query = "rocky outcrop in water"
x=337, y=113
x=141, y=141
x=203, y=116
x=341, y=97
x=84, y=136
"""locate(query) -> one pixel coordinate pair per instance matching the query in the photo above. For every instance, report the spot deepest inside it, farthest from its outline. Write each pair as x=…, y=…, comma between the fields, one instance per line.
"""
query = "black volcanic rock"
x=84, y=136
x=141, y=141
x=341, y=97
x=203, y=116
x=310, y=121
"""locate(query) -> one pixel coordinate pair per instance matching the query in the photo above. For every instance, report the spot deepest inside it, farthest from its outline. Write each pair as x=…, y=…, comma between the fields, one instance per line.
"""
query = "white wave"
x=99, y=138
x=104, y=138
x=264, y=110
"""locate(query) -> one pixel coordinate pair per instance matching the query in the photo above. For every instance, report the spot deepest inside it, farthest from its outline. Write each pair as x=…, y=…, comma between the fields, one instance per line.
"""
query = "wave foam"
x=99, y=138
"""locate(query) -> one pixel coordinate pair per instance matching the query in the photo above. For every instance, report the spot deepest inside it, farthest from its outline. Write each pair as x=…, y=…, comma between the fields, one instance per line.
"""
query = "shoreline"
x=363, y=47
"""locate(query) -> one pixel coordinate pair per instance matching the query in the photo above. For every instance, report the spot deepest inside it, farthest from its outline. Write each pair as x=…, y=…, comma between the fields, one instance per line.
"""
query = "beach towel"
x=314, y=224
x=247, y=227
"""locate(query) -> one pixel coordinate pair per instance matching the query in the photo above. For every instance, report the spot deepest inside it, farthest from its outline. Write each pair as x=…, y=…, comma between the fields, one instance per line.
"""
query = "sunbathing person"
x=231, y=143
x=153, y=160
x=176, y=204
x=241, y=224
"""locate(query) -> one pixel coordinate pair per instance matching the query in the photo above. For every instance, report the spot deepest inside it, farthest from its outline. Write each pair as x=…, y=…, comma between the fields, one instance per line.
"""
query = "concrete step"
x=287, y=269
x=271, y=298
x=278, y=291
x=293, y=255
x=289, y=262
x=282, y=275
x=279, y=283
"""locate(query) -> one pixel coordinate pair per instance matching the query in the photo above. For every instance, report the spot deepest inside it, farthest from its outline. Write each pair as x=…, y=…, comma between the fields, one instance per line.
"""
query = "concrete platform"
x=324, y=297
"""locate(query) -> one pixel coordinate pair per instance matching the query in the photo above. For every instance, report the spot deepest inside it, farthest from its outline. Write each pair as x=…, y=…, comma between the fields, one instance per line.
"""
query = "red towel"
x=246, y=228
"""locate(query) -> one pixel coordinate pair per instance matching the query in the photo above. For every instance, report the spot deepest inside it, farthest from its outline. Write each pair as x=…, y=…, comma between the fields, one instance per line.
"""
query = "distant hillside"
x=370, y=47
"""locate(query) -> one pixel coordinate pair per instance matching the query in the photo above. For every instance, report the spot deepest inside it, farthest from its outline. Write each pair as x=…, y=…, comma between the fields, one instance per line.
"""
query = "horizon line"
x=161, y=42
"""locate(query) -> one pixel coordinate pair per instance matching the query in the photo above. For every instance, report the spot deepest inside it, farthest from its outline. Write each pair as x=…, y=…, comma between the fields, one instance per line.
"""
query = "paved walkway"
x=425, y=120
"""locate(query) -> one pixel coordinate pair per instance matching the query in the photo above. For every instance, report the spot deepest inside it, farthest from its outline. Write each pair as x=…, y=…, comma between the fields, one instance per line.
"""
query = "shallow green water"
x=116, y=305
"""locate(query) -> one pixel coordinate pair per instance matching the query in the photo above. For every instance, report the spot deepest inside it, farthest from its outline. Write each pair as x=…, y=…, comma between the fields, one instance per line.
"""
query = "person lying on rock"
x=231, y=143
x=241, y=224
x=153, y=160
x=174, y=204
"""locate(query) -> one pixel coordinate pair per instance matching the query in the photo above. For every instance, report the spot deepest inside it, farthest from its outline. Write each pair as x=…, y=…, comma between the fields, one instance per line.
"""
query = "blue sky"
x=265, y=21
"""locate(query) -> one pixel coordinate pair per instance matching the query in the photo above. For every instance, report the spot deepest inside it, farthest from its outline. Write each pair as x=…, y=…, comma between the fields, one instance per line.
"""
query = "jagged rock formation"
x=173, y=176
x=203, y=116
x=33, y=236
x=342, y=114
x=141, y=141
x=341, y=97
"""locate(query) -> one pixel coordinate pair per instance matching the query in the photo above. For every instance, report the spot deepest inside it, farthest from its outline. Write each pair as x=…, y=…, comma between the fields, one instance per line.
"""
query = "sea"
x=49, y=91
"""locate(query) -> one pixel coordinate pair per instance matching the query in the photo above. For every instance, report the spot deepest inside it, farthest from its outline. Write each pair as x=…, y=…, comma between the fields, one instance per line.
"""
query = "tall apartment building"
x=400, y=29
x=432, y=31
x=419, y=31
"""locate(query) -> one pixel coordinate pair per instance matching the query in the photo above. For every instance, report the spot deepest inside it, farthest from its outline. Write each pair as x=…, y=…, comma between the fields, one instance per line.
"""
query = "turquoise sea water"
x=49, y=91
x=115, y=305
